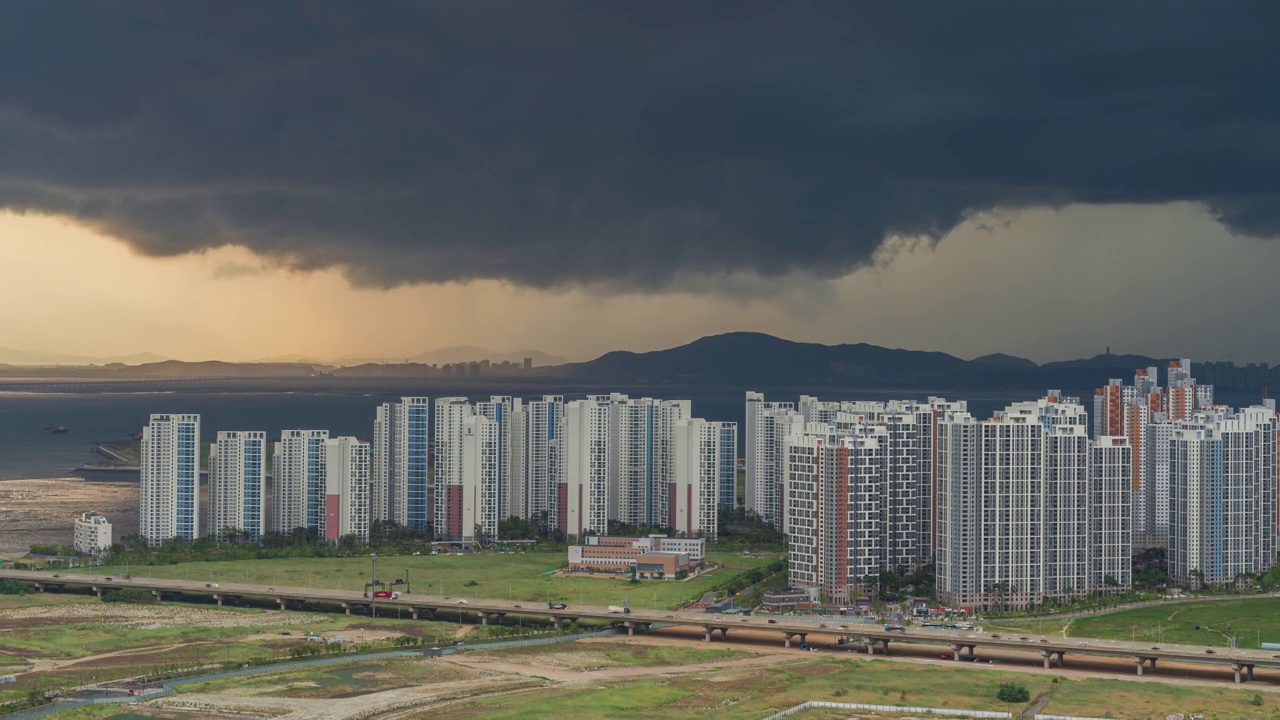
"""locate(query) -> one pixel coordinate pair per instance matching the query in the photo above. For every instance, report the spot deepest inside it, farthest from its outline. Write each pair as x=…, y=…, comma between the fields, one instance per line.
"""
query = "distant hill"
x=758, y=358
x=1126, y=362
x=1002, y=360
x=743, y=359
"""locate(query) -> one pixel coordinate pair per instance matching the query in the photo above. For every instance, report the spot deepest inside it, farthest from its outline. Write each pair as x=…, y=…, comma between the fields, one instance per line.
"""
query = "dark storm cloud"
x=621, y=143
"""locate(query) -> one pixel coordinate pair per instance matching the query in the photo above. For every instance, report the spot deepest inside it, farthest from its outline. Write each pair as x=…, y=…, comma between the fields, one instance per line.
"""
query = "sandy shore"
x=42, y=511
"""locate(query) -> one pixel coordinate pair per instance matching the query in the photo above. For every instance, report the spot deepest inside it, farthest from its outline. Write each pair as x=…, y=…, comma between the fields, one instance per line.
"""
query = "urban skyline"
x=1028, y=503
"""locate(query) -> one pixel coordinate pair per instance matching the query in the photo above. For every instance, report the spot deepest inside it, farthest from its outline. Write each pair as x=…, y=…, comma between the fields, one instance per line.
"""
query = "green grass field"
x=756, y=693
x=338, y=681
x=1251, y=621
x=598, y=655
x=519, y=577
x=70, y=628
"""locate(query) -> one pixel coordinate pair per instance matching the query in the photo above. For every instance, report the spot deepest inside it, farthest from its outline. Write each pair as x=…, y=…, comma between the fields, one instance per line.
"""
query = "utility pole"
x=373, y=557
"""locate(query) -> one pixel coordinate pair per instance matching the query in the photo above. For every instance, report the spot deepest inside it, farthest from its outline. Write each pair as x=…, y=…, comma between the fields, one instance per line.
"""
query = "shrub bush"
x=13, y=587
x=1013, y=693
x=129, y=595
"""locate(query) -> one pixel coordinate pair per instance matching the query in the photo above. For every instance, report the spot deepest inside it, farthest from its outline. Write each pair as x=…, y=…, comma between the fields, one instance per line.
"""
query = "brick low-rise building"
x=653, y=556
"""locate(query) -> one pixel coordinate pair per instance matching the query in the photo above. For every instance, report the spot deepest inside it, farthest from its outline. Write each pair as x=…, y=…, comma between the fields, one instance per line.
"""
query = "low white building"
x=695, y=548
x=92, y=534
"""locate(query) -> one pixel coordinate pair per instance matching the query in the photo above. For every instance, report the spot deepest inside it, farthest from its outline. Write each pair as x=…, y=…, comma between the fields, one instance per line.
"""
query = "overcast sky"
x=240, y=180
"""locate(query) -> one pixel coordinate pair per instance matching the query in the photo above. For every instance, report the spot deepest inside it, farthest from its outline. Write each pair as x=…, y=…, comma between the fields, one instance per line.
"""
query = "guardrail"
x=952, y=712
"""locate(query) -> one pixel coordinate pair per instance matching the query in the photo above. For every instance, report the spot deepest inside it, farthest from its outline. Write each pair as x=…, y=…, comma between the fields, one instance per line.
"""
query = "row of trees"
x=385, y=536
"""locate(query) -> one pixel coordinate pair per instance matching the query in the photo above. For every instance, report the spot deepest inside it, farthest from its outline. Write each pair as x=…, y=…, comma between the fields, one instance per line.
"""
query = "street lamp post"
x=373, y=557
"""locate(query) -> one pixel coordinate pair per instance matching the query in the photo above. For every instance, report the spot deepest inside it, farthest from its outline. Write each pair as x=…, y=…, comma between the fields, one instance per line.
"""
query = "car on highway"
x=461, y=602
x=772, y=621
x=557, y=606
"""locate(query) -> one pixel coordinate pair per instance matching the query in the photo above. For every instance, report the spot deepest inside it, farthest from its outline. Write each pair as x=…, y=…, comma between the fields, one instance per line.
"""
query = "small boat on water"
x=57, y=430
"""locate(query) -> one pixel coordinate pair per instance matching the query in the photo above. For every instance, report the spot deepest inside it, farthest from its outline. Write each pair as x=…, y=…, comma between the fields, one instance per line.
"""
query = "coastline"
x=43, y=510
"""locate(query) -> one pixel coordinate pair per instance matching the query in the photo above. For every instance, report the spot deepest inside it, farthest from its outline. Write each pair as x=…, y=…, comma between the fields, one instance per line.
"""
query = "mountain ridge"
x=737, y=358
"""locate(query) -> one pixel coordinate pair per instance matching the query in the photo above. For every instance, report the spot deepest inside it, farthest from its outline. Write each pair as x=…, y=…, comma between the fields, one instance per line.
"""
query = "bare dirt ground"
x=145, y=617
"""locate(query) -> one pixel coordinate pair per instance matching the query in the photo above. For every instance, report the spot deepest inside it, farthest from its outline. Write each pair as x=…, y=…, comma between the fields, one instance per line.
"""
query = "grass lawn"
x=755, y=693
x=597, y=655
x=56, y=630
x=521, y=577
x=1251, y=621
x=359, y=678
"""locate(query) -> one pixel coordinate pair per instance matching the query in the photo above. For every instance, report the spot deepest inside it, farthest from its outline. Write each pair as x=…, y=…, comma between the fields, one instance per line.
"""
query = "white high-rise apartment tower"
x=1223, y=495
x=381, y=466
x=237, y=488
x=643, y=436
x=582, y=458
x=768, y=424
x=346, y=479
x=1147, y=413
x=1014, y=505
x=908, y=482
x=481, y=458
x=401, y=456
x=542, y=423
x=835, y=489
x=508, y=414
x=169, y=491
x=704, y=455
x=298, y=489
x=450, y=413
x=1110, y=511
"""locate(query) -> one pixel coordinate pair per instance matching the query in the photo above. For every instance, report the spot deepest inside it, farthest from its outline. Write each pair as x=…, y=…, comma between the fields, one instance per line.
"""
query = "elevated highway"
x=1144, y=655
